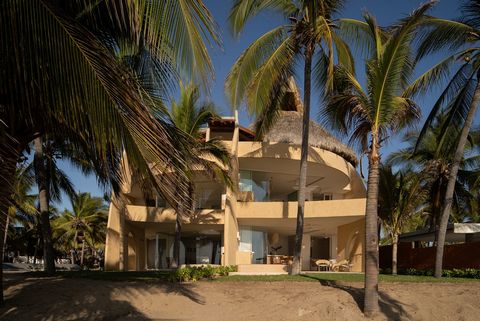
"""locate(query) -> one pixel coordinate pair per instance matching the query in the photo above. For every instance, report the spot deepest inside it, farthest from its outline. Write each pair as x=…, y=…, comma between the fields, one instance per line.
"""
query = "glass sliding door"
x=161, y=257
x=156, y=253
x=199, y=249
x=253, y=241
x=258, y=247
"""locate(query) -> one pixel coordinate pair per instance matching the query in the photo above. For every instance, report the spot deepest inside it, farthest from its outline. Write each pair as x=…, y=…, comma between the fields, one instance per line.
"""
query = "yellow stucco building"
x=253, y=227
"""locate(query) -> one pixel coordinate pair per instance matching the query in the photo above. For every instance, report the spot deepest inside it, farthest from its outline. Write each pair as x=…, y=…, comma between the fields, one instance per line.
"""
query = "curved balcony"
x=336, y=172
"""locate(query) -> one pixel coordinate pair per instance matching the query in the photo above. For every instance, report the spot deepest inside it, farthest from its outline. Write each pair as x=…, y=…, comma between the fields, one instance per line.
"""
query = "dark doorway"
x=190, y=244
x=320, y=248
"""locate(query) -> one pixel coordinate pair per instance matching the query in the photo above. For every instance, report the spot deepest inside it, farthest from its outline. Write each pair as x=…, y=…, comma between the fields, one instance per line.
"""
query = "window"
x=160, y=202
x=322, y=197
x=208, y=196
x=254, y=186
x=150, y=202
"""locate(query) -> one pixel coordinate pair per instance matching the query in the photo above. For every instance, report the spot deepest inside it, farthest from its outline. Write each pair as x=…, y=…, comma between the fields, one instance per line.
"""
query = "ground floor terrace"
x=146, y=242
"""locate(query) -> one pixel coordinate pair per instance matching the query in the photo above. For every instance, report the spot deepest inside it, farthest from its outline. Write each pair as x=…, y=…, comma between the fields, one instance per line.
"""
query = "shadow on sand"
x=37, y=298
x=391, y=308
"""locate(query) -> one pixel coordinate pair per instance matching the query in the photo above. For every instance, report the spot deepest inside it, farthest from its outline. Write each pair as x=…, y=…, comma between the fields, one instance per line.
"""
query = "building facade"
x=255, y=224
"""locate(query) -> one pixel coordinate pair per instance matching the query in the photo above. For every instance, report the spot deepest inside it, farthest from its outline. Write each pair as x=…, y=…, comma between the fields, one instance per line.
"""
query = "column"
x=230, y=238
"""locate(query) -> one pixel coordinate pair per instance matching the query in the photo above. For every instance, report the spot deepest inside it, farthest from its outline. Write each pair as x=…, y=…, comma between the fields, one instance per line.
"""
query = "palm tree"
x=52, y=181
x=23, y=206
x=462, y=92
x=372, y=115
x=59, y=74
x=431, y=156
x=401, y=196
x=189, y=116
x=86, y=221
x=261, y=74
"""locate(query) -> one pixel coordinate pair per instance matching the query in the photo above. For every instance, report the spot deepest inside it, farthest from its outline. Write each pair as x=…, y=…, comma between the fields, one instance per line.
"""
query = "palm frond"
x=86, y=89
x=433, y=76
x=459, y=80
x=273, y=73
x=394, y=66
x=243, y=10
x=470, y=13
x=357, y=34
x=443, y=34
x=456, y=113
x=344, y=55
x=249, y=62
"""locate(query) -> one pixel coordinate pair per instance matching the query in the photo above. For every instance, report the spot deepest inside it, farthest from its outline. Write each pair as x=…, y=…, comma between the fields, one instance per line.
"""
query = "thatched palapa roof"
x=288, y=129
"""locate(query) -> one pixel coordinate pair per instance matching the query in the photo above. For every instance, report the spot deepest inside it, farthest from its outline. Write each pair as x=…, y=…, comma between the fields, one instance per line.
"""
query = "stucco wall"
x=112, y=244
x=244, y=257
x=350, y=207
x=350, y=243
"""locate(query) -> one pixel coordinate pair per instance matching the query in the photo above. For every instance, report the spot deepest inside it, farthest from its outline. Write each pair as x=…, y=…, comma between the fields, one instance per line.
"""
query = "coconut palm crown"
x=260, y=76
x=401, y=196
x=87, y=219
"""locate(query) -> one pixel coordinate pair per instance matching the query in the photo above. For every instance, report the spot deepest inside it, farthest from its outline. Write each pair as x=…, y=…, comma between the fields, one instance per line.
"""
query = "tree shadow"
x=30, y=297
x=390, y=307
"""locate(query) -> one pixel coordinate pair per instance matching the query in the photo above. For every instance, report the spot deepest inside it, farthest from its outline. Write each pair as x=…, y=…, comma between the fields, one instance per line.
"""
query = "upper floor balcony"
x=342, y=209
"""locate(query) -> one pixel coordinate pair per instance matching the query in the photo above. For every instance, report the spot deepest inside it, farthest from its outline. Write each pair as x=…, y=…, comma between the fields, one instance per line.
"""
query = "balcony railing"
x=332, y=208
x=168, y=215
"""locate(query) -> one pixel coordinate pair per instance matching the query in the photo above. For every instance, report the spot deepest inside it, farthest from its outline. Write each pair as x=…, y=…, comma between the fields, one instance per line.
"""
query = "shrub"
x=195, y=273
x=181, y=275
x=454, y=273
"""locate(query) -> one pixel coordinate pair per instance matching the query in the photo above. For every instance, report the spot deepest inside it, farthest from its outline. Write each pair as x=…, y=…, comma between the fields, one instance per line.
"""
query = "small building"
x=456, y=233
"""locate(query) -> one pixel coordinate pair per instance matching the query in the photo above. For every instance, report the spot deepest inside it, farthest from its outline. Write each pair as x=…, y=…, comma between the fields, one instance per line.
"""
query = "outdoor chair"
x=322, y=265
x=341, y=266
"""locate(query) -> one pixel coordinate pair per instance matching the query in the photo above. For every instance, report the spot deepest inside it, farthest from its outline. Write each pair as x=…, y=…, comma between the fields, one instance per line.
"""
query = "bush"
x=195, y=273
x=454, y=273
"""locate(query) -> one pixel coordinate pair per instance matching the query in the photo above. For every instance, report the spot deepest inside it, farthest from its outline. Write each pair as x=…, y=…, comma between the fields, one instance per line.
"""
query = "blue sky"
x=386, y=12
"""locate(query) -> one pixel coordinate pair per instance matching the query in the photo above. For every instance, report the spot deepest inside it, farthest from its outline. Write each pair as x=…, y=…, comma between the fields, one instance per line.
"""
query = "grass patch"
x=156, y=276
x=342, y=277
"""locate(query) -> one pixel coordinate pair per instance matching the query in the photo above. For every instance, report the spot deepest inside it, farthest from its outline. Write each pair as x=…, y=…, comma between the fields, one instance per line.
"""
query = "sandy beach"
x=31, y=298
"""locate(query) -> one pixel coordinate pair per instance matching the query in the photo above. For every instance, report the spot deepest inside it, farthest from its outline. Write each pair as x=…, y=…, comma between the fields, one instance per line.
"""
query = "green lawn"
x=313, y=277
x=343, y=277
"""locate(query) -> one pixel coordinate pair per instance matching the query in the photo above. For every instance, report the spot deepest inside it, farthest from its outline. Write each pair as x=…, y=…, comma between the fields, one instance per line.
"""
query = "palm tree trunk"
x=40, y=173
x=394, y=253
x=75, y=246
x=83, y=252
x=178, y=229
x=297, y=265
x=437, y=208
x=447, y=203
x=35, y=252
x=176, y=244
x=8, y=163
x=371, y=238
x=6, y=234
